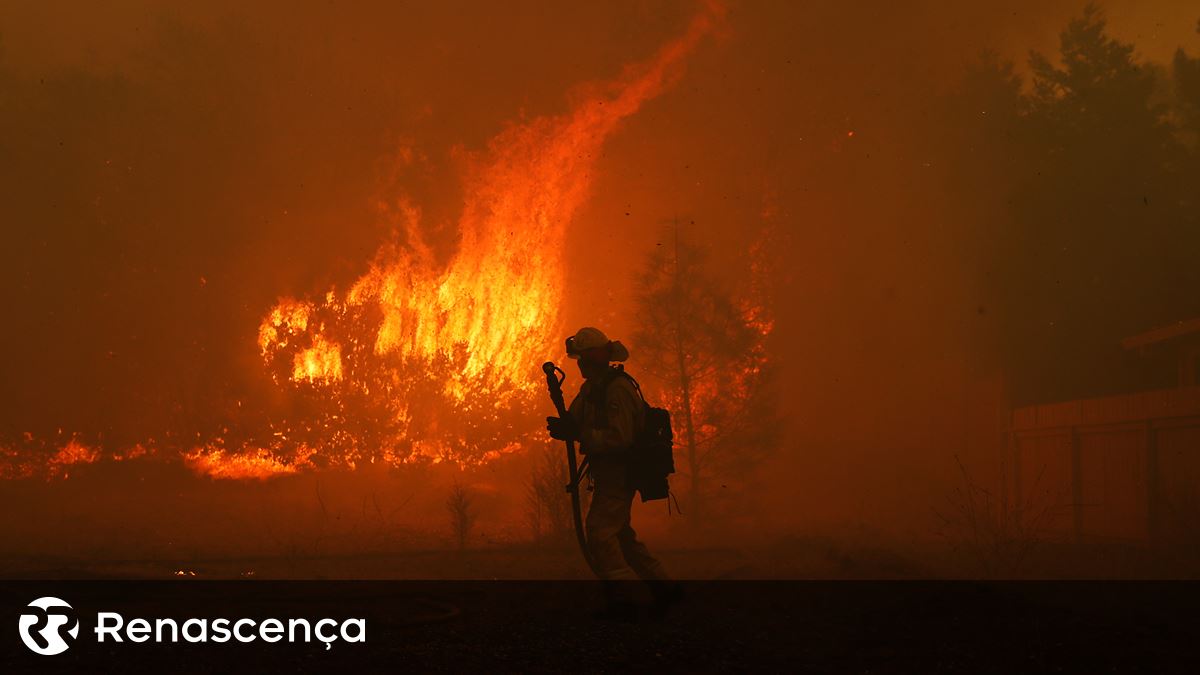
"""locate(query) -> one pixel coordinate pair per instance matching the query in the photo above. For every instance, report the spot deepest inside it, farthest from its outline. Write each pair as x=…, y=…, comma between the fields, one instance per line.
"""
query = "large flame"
x=423, y=359
x=492, y=310
x=434, y=359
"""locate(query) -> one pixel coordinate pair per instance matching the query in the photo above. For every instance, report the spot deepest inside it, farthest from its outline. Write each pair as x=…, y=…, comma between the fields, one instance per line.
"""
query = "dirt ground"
x=857, y=601
x=813, y=557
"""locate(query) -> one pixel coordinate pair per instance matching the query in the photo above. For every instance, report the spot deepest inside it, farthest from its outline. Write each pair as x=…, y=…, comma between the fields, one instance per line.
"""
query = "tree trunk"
x=689, y=432
x=685, y=386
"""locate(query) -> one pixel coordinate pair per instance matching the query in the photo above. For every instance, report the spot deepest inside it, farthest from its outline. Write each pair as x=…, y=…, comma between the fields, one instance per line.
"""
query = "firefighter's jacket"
x=608, y=423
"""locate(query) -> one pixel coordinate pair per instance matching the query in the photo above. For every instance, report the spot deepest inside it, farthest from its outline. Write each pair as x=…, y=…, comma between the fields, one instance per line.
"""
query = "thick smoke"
x=169, y=175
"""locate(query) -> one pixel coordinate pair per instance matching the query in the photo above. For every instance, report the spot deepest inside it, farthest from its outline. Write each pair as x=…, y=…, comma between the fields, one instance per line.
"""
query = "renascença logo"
x=46, y=624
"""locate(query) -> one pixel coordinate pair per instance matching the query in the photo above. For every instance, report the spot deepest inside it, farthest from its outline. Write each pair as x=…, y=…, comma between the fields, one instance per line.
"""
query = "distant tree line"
x=1076, y=184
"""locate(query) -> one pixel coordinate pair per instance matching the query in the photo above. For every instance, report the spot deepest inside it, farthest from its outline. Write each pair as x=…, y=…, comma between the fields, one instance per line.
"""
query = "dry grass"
x=997, y=536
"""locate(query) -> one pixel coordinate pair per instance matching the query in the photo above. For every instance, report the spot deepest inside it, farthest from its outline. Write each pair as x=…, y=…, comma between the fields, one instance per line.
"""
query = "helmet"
x=589, y=338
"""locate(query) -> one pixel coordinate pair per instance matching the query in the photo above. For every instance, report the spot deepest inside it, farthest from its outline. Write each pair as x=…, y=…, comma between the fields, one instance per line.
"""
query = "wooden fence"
x=1120, y=467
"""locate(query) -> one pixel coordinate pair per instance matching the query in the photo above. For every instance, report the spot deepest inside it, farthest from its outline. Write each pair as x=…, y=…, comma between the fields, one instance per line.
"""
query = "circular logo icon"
x=49, y=626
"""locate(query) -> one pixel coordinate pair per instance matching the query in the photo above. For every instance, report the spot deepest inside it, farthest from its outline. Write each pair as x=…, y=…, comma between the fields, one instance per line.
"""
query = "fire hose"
x=576, y=471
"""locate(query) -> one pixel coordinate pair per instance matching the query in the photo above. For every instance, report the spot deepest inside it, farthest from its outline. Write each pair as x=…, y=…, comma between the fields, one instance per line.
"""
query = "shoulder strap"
x=619, y=371
x=598, y=395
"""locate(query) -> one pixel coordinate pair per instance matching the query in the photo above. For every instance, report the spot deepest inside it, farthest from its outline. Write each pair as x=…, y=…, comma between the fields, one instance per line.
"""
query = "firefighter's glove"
x=562, y=428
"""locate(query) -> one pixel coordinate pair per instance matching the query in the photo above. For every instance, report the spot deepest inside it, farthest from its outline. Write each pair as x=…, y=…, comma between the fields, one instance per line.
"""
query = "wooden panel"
x=1114, y=467
x=1113, y=479
x=1179, y=479
x=1111, y=409
x=1159, y=404
x=1024, y=418
x=1045, y=480
x=1059, y=414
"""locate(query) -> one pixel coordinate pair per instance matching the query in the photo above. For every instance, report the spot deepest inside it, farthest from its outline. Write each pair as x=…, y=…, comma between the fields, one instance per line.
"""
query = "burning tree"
x=704, y=340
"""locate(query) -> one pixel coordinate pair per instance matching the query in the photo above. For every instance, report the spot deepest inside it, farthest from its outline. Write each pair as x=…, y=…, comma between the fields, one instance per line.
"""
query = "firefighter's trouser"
x=614, y=545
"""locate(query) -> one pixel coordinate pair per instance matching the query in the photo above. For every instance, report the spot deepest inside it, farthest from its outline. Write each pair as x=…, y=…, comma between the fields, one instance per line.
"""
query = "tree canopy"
x=1078, y=181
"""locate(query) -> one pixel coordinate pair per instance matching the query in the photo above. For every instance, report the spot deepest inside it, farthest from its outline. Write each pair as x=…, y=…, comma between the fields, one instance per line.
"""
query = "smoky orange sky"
x=170, y=171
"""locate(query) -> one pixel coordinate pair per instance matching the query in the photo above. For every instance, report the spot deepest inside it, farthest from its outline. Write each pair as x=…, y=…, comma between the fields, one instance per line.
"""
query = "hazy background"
x=166, y=173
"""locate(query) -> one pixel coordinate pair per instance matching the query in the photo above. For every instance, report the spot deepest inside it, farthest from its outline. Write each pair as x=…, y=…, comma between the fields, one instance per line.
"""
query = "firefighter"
x=603, y=419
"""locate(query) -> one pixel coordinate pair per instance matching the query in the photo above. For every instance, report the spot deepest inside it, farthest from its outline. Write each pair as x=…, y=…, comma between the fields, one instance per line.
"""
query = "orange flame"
x=73, y=452
x=321, y=362
x=473, y=329
x=421, y=360
x=260, y=464
x=286, y=319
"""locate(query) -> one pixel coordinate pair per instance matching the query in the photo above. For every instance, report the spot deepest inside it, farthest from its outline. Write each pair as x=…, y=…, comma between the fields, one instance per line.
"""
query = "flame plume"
x=421, y=359
x=436, y=361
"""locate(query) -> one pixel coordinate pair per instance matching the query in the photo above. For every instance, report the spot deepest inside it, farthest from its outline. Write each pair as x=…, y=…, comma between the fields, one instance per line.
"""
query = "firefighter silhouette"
x=604, y=419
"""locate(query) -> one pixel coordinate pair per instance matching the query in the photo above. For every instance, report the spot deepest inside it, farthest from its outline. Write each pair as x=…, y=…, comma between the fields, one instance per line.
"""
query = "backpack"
x=652, y=457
